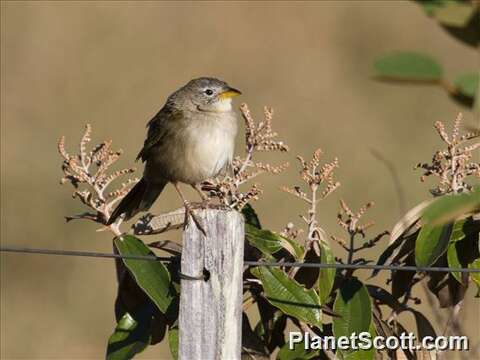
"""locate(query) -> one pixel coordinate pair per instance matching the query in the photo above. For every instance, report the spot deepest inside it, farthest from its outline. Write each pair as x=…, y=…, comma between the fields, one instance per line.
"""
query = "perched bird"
x=191, y=139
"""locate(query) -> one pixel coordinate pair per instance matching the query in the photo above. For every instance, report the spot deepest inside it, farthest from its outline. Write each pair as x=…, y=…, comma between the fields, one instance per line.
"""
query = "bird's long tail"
x=140, y=198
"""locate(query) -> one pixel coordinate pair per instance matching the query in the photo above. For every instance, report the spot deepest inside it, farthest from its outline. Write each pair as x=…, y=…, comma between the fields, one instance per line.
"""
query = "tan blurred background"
x=113, y=64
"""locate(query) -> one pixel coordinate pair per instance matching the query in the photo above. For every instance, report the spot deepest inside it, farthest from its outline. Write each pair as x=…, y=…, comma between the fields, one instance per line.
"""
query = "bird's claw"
x=189, y=212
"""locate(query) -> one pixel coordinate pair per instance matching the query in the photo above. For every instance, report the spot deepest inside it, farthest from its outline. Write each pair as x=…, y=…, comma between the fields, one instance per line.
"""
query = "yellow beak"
x=229, y=93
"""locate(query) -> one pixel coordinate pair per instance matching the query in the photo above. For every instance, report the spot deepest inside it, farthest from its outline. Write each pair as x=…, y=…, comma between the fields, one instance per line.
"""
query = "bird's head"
x=205, y=94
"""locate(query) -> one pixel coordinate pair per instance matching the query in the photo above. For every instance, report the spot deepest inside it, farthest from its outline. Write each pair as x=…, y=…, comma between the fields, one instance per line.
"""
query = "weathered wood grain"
x=211, y=310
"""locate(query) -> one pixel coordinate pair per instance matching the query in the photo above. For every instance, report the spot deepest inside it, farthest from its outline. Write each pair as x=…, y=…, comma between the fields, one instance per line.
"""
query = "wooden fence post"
x=210, y=320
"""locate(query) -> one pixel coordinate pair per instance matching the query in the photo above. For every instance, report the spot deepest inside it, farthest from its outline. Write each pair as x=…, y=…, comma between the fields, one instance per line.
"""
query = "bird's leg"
x=188, y=211
x=205, y=198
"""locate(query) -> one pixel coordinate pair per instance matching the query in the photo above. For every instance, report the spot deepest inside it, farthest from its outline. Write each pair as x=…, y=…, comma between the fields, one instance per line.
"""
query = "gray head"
x=204, y=94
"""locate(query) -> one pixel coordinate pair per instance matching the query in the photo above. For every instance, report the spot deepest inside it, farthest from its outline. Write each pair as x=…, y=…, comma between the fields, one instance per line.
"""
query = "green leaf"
x=251, y=217
x=429, y=6
x=297, y=353
x=424, y=327
x=465, y=227
x=354, y=308
x=454, y=261
x=456, y=20
x=408, y=66
x=270, y=327
x=152, y=276
x=467, y=84
x=468, y=34
x=363, y=354
x=450, y=207
x=264, y=240
x=408, y=220
x=431, y=243
x=269, y=242
x=131, y=336
x=475, y=276
x=433, y=239
x=454, y=14
x=458, y=231
x=173, y=341
x=326, y=277
x=289, y=296
x=293, y=247
x=462, y=249
x=401, y=233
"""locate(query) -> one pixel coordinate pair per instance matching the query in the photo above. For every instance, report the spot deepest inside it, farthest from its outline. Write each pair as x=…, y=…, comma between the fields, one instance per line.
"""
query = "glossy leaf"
x=468, y=34
x=326, y=277
x=384, y=298
x=401, y=233
x=251, y=341
x=293, y=247
x=449, y=207
x=406, y=354
x=251, y=216
x=408, y=66
x=354, y=308
x=363, y=354
x=429, y=6
x=454, y=14
x=408, y=220
x=269, y=242
x=297, y=353
x=263, y=240
x=306, y=276
x=463, y=247
x=401, y=281
x=457, y=23
x=152, y=276
x=454, y=261
x=400, y=248
x=424, y=327
x=432, y=242
x=458, y=231
x=289, y=296
x=131, y=336
x=173, y=341
x=271, y=326
x=475, y=276
x=467, y=84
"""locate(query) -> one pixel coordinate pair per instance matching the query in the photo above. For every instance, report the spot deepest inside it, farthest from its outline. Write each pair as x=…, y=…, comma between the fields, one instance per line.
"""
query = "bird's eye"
x=209, y=92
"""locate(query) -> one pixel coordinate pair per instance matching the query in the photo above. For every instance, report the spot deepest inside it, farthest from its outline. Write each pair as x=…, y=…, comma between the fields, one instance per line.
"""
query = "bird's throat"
x=221, y=106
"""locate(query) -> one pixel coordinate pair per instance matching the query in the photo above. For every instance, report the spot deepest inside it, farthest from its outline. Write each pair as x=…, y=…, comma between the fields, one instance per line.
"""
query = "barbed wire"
x=92, y=254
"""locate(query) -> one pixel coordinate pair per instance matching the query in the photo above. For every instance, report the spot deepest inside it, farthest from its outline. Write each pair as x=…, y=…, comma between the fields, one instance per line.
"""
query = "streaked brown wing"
x=158, y=129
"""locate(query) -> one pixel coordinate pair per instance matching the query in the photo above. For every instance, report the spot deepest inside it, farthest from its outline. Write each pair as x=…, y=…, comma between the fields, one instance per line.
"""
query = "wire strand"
x=80, y=253
x=91, y=254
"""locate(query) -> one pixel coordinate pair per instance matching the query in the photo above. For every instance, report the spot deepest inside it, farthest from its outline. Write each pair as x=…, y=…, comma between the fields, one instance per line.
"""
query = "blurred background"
x=112, y=64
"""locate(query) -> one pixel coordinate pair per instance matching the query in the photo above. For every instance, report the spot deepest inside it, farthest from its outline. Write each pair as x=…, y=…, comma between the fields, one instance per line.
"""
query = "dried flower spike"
x=314, y=176
x=90, y=168
x=453, y=165
x=349, y=220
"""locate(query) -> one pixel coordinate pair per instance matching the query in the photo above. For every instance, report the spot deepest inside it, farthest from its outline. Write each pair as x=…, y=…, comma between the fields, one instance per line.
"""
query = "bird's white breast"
x=210, y=146
x=201, y=146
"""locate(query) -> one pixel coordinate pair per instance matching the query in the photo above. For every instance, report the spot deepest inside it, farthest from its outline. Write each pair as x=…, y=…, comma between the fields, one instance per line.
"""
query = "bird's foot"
x=206, y=200
x=189, y=212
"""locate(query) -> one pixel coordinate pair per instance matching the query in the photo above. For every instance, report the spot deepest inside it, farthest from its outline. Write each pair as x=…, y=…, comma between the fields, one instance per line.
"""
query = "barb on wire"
x=247, y=263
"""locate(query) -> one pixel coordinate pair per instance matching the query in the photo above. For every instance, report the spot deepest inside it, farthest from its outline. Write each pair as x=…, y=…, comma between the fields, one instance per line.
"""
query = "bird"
x=191, y=139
